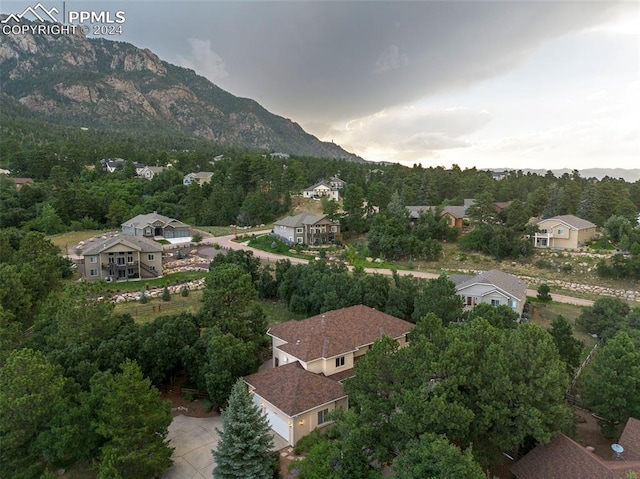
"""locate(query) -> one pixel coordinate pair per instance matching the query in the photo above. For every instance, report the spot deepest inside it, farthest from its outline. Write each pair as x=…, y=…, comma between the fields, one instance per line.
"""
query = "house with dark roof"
x=154, y=225
x=455, y=215
x=306, y=228
x=310, y=358
x=322, y=189
x=563, y=458
x=566, y=232
x=494, y=287
x=122, y=257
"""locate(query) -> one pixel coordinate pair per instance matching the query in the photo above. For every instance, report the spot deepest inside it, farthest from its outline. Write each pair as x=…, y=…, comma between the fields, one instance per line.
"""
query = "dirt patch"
x=588, y=434
x=181, y=405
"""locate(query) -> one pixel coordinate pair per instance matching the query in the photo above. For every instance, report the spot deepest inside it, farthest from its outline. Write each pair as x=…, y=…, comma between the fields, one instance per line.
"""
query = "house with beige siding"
x=154, y=225
x=306, y=228
x=122, y=258
x=566, y=232
x=310, y=359
x=323, y=189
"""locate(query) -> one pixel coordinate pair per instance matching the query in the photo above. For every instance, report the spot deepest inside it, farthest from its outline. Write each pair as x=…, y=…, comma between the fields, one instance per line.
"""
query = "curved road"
x=226, y=241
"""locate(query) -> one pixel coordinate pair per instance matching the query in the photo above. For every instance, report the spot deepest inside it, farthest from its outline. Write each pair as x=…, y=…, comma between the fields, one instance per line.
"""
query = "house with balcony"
x=154, y=225
x=122, y=257
x=320, y=190
x=565, y=232
x=310, y=360
x=494, y=287
x=306, y=228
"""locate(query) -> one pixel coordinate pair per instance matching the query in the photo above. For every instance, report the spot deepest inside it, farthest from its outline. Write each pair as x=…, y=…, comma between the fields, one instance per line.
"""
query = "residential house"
x=200, y=178
x=563, y=458
x=321, y=190
x=122, y=257
x=455, y=215
x=494, y=287
x=306, y=228
x=310, y=358
x=20, y=182
x=154, y=225
x=337, y=183
x=499, y=175
x=567, y=232
x=148, y=172
x=113, y=164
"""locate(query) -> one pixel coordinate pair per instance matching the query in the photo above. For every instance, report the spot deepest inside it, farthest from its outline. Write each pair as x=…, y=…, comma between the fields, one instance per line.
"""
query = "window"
x=151, y=257
x=340, y=361
x=513, y=303
x=334, y=229
x=298, y=230
x=543, y=230
x=469, y=300
x=93, y=259
x=322, y=416
x=495, y=302
x=93, y=272
x=560, y=232
x=300, y=240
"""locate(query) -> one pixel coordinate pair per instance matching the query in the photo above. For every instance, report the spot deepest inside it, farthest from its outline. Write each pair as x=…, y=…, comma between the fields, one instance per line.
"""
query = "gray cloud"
x=203, y=60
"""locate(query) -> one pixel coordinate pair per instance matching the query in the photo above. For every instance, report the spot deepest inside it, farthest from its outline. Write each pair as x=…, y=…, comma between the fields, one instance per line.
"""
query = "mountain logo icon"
x=39, y=12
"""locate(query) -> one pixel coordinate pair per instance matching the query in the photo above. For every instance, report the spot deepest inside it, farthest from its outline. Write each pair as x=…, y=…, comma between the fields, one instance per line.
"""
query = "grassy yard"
x=276, y=311
x=228, y=230
x=544, y=313
x=127, y=286
x=72, y=238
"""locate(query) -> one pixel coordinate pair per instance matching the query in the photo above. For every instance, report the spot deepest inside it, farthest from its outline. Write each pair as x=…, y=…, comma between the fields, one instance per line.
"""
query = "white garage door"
x=278, y=423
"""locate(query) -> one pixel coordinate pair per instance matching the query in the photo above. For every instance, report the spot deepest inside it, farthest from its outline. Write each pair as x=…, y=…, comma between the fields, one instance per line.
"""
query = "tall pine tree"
x=244, y=449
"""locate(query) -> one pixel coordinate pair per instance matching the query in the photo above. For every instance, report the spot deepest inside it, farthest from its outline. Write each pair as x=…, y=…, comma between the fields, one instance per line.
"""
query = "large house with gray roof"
x=310, y=359
x=122, y=257
x=494, y=287
x=566, y=232
x=306, y=228
x=154, y=225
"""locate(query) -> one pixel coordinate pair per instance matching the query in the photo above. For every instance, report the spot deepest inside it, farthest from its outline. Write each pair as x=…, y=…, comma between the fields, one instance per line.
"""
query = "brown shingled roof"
x=630, y=440
x=293, y=389
x=562, y=458
x=337, y=332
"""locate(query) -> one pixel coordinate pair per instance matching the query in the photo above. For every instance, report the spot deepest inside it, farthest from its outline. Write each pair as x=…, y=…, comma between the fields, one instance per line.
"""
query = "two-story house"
x=322, y=189
x=122, y=257
x=455, y=215
x=154, y=225
x=494, y=287
x=310, y=358
x=565, y=232
x=306, y=228
x=148, y=172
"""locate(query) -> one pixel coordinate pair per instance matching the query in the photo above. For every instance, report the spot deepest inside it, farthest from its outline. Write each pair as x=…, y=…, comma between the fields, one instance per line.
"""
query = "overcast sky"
x=518, y=84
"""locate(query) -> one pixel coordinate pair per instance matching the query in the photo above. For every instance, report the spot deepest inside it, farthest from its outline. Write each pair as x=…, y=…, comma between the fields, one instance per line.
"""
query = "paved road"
x=227, y=242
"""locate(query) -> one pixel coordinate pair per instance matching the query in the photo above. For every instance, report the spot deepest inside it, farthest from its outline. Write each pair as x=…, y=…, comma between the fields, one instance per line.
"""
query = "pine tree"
x=244, y=449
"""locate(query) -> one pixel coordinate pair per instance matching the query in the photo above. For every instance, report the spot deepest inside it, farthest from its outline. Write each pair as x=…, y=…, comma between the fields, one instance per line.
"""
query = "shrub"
x=196, y=237
x=544, y=293
x=184, y=292
x=189, y=397
x=144, y=299
x=206, y=405
x=307, y=442
x=166, y=295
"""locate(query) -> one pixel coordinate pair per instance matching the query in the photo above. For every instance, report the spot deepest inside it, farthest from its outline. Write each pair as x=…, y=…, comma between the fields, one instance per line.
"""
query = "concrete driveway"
x=193, y=439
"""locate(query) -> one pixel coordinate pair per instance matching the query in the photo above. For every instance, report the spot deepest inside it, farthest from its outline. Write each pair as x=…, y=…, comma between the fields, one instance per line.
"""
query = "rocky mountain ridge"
x=73, y=80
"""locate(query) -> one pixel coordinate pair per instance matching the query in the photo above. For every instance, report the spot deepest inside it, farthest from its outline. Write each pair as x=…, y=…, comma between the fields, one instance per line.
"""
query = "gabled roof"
x=141, y=221
x=299, y=220
x=320, y=183
x=570, y=220
x=337, y=332
x=507, y=283
x=455, y=211
x=630, y=440
x=294, y=390
x=137, y=243
x=564, y=458
x=200, y=174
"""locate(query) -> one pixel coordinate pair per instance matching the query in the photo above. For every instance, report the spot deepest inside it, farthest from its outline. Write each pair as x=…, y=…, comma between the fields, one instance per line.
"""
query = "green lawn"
x=72, y=238
x=276, y=311
x=228, y=230
x=112, y=288
x=544, y=313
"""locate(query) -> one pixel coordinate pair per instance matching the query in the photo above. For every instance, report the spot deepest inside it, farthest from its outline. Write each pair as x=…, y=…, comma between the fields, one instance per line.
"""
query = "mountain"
x=630, y=175
x=97, y=83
